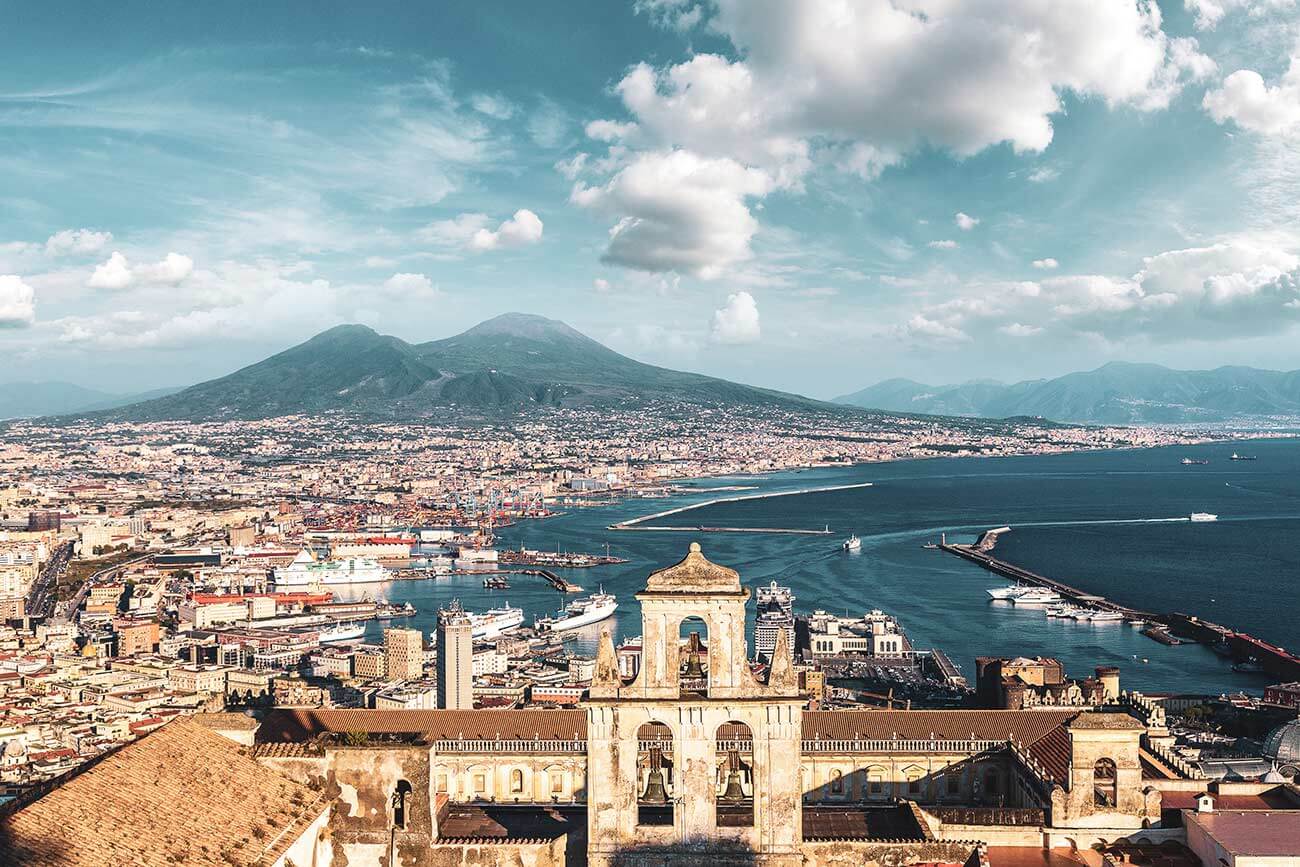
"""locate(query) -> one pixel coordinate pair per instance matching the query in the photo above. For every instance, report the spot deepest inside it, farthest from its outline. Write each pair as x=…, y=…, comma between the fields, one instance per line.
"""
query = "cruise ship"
x=495, y=622
x=307, y=571
x=344, y=630
x=775, y=606
x=578, y=613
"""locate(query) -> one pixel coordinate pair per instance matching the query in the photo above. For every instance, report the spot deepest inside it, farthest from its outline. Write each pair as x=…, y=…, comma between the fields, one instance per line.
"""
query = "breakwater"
x=641, y=522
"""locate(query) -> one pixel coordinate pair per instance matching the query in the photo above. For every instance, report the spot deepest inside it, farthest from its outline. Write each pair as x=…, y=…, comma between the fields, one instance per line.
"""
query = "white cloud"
x=548, y=124
x=679, y=15
x=113, y=274
x=1246, y=100
x=737, y=320
x=965, y=222
x=1218, y=292
x=1043, y=174
x=524, y=227
x=493, y=105
x=410, y=286
x=600, y=284
x=677, y=211
x=1046, y=264
x=76, y=241
x=946, y=244
x=17, y=302
x=1210, y=12
x=118, y=273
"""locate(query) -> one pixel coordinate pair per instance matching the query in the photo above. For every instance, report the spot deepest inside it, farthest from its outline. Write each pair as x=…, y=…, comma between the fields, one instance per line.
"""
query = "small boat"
x=1194, y=462
x=930, y=546
x=852, y=543
x=1237, y=457
x=1202, y=517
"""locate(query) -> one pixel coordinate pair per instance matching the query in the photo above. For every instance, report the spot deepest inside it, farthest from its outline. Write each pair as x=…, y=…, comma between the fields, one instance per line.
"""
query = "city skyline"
x=695, y=184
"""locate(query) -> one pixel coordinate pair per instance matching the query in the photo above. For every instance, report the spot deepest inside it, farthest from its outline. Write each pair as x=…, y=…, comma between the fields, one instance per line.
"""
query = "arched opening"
x=1104, y=783
x=734, y=782
x=654, y=765
x=693, y=657
x=517, y=783
x=400, y=795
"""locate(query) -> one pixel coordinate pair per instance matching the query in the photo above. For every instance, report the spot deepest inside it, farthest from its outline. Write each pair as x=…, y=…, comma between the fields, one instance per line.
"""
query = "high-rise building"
x=455, y=659
x=403, y=654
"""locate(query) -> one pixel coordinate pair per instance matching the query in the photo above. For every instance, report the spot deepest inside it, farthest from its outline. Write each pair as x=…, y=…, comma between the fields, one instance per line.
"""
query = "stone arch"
x=734, y=781
x=402, y=803
x=655, y=780
x=1105, y=783
x=694, y=635
x=517, y=783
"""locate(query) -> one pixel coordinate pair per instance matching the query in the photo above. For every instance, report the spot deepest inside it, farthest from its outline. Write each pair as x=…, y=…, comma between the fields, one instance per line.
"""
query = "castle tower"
x=688, y=760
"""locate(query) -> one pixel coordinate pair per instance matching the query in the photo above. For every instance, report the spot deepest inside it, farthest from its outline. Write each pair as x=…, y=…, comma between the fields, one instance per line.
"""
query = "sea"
x=1110, y=522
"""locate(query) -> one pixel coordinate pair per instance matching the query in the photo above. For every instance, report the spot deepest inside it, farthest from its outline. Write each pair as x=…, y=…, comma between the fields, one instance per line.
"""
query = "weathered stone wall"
x=850, y=853
x=548, y=854
x=1096, y=738
x=506, y=778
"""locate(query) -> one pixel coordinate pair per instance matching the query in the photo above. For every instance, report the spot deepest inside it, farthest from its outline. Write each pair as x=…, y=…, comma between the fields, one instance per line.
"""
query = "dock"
x=554, y=580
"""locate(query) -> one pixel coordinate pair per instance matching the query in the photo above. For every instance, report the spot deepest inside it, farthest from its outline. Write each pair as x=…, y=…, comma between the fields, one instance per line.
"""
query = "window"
x=480, y=784
x=400, y=796
x=914, y=785
x=837, y=783
x=557, y=783
x=952, y=784
x=517, y=781
x=1104, y=780
x=442, y=783
x=876, y=785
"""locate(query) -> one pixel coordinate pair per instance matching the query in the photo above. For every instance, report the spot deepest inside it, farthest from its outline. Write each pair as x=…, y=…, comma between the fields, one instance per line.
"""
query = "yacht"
x=852, y=543
x=1008, y=592
x=1104, y=617
x=307, y=571
x=1037, y=596
x=1237, y=457
x=1203, y=517
x=578, y=613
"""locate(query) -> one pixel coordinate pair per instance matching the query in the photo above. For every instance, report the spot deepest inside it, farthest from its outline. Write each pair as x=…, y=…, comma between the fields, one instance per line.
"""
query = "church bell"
x=694, y=670
x=655, y=793
x=733, y=793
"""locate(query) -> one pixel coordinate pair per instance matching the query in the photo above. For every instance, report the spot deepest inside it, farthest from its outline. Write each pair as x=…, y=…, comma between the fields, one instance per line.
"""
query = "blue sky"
x=806, y=194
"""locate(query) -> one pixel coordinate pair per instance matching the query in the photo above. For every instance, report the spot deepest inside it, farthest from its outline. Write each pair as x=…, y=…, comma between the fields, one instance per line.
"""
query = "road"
x=40, y=599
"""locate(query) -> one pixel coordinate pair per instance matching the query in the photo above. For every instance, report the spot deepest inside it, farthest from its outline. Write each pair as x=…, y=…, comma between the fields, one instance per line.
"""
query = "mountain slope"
x=25, y=399
x=512, y=362
x=1116, y=393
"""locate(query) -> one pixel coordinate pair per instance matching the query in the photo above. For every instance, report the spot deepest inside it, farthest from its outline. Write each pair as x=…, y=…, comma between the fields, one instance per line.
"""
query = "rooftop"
x=694, y=574
x=1259, y=833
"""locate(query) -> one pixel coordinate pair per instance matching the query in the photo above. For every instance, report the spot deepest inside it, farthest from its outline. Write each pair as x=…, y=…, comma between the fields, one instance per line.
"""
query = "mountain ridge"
x=511, y=362
x=1118, y=392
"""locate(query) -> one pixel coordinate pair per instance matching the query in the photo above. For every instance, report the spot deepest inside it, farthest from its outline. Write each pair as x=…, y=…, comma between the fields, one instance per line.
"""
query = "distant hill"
x=1117, y=393
x=31, y=399
x=509, y=363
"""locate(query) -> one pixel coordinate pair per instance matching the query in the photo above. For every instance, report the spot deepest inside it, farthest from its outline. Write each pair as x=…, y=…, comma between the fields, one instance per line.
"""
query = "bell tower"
x=695, y=756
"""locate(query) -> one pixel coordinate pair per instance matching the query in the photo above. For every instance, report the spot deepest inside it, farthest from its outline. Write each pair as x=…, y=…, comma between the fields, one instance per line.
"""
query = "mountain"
x=31, y=399
x=1116, y=393
x=512, y=362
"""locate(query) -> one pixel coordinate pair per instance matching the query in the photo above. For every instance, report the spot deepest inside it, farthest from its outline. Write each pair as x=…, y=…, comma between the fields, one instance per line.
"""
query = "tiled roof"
x=182, y=795
x=892, y=822
x=1052, y=752
x=501, y=823
x=1262, y=834
x=1024, y=726
x=299, y=725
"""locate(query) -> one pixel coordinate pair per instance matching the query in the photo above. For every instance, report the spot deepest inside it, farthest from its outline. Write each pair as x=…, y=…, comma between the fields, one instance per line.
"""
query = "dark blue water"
x=1096, y=520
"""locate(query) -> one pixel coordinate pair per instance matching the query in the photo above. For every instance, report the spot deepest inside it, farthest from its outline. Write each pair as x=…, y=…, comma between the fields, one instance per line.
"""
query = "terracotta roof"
x=1251, y=832
x=1032, y=856
x=501, y=823
x=182, y=795
x=1278, y=798
x=1024, y=726
x=1052, y=752
x=299, y=725
x=892, y=822
x=694, y=574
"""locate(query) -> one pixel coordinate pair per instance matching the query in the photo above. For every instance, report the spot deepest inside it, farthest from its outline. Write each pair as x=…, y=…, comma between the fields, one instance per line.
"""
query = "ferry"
x=578, y=613
x=307, y=571
x=1193, y=462
x=1008, y=592
x=495, y=622
x=1104, y=617
x=1237, y=457
x=344, y=630
x=852, y=543
x=1036, y=596
x=1202, y=517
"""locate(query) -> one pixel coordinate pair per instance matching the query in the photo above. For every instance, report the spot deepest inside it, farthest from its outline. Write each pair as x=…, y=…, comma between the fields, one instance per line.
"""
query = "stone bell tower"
x=694, y=757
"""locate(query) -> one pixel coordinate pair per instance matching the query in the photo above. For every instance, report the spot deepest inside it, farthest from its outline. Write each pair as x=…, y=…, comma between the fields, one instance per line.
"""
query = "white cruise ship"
x=579, y=613
x=495, y=622
x=344, y=630
x=307, y=571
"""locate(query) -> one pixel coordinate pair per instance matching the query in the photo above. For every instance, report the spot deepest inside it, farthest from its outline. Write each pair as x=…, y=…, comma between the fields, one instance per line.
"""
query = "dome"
x=1283, y=743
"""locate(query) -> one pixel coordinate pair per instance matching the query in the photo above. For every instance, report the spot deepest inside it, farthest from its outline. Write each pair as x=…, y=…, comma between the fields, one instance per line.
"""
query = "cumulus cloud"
x=737, y=320
x=965, y=222
x=76, y=241
x=471, y=232
x=678, y=211
x=1210, y=12
x=17, y=302
x=1046, y=264
x=410, y=286
x=1247, y=101
x=946, y=244
x=118, y=273
x=524, y=227
x=1221, y=291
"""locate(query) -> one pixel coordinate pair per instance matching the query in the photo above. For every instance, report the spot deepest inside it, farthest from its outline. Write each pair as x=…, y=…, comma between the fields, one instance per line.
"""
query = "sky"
x=811, y=195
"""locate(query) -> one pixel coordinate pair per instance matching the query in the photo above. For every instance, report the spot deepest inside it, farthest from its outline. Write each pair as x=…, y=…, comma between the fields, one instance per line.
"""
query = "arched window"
x=734, y=786
x=516, y=782
x=693, y=662
x=1104, y=783
x=654, y=774
x=400, y=795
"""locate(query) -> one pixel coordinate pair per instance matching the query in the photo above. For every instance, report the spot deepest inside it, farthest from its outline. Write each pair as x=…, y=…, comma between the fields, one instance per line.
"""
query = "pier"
x=640, y=523
x=554, y=580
